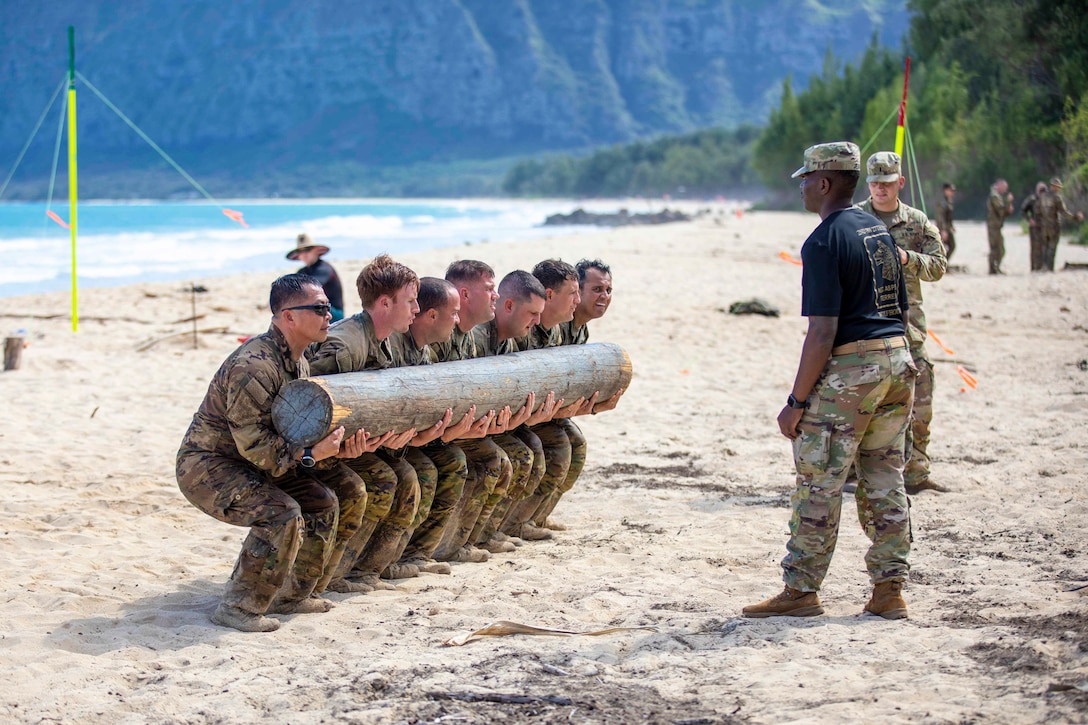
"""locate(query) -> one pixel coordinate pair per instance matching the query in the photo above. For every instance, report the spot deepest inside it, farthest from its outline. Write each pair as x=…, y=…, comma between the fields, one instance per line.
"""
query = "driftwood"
x=306, y=410
x=13, y=352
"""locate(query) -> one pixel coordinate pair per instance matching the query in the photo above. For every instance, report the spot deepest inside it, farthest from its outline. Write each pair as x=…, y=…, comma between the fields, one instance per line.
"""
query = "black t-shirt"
x=852, y=271
x=323, y=272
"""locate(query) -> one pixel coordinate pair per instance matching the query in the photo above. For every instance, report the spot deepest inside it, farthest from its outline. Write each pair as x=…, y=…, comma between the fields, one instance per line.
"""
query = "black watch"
x=307, y=460
x=795, y=403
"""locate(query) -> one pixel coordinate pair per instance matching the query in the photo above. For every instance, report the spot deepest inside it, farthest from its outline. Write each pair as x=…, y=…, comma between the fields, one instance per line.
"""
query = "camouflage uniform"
x=487, y=463
x=1049, y=211
x=232, y=465
x=442, y=481
x=945, y=208
x=522, y=455
x=997, y=210
x=926, y=262
x=1029, y=211
x=352, y=346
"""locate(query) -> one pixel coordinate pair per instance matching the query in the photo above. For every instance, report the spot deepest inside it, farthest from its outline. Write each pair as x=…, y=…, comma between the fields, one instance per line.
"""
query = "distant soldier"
x=1029, y=210
x=923, y=259
x=998, y=208
x=1050, y=209
x=945, y=225
x=851, y=397
x=310, y=254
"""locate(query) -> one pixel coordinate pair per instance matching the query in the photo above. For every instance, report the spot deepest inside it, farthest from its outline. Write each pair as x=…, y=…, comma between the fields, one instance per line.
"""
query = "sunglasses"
x=321, y=310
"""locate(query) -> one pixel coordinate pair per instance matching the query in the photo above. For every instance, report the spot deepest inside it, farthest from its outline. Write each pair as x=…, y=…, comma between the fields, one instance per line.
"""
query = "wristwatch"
x=795, y=403
x=307, y=460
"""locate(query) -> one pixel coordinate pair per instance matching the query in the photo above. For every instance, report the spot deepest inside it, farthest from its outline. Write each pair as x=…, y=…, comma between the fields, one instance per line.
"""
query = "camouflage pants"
x=452, y=467
x=577, y=463
x=1035, y=238
x=858, y=413
x=917, y=469
x=299, y=523
x=414, y=472
x=381, y=487
x=1048, y=244
x=949, y=244
x=997, y=246
x=555, y=454
x=522, y=457
x=488, y=464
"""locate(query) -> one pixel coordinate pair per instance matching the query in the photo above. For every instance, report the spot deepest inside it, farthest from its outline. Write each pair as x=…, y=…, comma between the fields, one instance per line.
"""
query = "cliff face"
x=389, y=81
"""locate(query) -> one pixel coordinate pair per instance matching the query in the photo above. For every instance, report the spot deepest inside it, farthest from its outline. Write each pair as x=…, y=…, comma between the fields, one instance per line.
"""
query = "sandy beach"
x=107, y=574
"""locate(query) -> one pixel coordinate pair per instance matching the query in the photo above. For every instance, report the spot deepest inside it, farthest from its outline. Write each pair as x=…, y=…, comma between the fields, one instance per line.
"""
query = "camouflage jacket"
x=944, y=215
x=1029, y=209
x=350, y=347
x=486, y=339
x=235, y=419
x=538, y=338
x=403, y=351
x=997, y=208
x=1049, y=210
x=570, y=334
x=915, y=234
x=460, y=346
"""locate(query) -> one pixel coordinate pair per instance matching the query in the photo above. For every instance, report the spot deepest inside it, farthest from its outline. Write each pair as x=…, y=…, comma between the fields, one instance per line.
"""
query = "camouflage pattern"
x=232, y=465
x=834, y=156
x=404, y=352
x=997, y=210
x=521, y=457
x=385, y=543
x=539, y=337
x=858, y=414
x=452, y=467
x=488, y=466
x=571, y=334
x=1029, y=211
x=574, y=469
x=485, y=338
x=946, y=225
x=350, y=347
x=460, y=346
x=1050, y=209
x=883, y=166
x=918, y=468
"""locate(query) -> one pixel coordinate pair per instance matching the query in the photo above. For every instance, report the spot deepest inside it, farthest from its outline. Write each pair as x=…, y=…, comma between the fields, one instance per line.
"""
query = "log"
x=13, y=352
x=306, y=410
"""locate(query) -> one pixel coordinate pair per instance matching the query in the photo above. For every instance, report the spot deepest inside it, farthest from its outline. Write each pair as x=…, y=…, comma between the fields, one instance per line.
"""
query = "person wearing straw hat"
x=1050, y=209
x=310, y=254
x=918, y=242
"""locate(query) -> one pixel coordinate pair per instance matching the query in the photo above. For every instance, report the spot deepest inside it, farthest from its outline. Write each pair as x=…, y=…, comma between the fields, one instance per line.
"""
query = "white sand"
x=107, y=575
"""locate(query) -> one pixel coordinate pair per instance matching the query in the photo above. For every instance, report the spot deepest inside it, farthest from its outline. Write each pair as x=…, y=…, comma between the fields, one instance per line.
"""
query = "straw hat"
x=304, y=242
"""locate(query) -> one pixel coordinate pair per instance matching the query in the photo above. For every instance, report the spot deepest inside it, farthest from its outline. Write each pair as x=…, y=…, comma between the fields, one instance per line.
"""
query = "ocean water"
x=126, y=242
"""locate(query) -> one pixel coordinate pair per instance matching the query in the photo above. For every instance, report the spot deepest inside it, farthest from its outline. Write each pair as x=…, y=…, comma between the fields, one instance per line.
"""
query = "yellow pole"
x=72, y=186
x=899, y=129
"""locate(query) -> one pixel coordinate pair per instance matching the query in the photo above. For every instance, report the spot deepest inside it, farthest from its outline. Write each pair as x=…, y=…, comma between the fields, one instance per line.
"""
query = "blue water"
x=127, y=242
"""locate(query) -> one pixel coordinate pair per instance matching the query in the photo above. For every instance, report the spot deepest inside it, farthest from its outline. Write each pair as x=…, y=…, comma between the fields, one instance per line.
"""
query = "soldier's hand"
x=354, y=445
x=400, y=440
x=523, y=413
x=436, y=430
x=328, y=446
x=374, y=444
x=903, y=258
x=609, y=404
x=480, y=428
x=546, y=409
x=788, y=420
x=463, y=426
x=570, y=410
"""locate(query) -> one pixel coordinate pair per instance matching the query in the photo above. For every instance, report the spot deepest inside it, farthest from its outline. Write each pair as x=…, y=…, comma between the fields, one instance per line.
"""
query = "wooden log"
x=13, y=352
x=306, y=410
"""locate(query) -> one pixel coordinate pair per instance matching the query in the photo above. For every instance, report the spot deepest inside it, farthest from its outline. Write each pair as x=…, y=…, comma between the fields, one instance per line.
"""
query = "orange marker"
x=938, y=341
x=236, y=216
x=786, y=256
x=53, y=215
x=971, y=380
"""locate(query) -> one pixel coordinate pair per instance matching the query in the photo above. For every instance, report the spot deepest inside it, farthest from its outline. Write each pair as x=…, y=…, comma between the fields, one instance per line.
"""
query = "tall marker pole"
x=900, y=129
x=72, y=188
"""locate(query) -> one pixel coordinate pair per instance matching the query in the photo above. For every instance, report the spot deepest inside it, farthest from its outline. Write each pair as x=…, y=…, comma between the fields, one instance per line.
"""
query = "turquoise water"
x=127, y=242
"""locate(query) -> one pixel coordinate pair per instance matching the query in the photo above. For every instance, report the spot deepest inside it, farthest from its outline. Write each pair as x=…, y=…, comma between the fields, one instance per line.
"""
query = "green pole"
x=72, y=186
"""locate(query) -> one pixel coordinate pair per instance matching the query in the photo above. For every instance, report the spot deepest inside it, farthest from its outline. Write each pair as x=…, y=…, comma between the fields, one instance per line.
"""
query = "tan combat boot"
x=790, y=603
x=887, y=601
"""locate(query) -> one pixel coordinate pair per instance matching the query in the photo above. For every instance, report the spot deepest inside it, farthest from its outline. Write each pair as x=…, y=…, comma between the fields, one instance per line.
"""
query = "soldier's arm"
x=250, y=392
x=336, y=355
x=930, y=263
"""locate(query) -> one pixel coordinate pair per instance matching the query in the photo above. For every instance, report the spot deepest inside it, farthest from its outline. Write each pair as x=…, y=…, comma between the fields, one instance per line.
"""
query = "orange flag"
x=236, y=216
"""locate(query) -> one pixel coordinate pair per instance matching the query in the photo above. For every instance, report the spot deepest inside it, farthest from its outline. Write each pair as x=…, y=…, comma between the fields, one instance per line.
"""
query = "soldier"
x=301, y=504
x=851, y=398
x=945, y=225
x=1050, y=209
x=922, y=255
x=439, y=306
x=387, y=290
x=998, y=208
x=1029, y=212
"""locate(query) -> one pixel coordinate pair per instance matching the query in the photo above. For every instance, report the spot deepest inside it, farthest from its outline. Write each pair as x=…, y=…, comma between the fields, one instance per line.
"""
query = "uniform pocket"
x=812, y=448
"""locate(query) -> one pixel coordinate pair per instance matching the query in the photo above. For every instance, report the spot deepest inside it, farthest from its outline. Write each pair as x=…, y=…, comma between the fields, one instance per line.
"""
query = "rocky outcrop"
x=622, y=218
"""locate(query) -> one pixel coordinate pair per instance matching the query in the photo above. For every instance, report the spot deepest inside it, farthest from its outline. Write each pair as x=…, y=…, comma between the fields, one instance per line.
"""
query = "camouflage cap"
x=1056, y=182
x=834, y=156
x=883, y=166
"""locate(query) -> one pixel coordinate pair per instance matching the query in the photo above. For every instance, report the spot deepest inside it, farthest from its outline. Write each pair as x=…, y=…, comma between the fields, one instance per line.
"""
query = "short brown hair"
x=468, y=270
x=383, y=276
x=552, y=273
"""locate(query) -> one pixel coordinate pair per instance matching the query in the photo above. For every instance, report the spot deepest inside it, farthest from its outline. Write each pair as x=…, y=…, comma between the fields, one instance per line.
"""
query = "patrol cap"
x=883, y=166
x=834, y=156
x=1056, y=182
